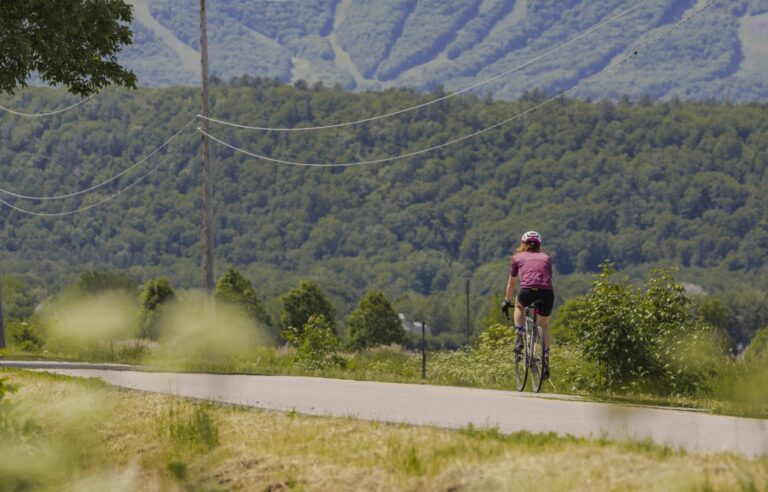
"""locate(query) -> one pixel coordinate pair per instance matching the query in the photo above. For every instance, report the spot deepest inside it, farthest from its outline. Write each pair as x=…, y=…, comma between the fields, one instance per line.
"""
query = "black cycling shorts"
x=546, y=299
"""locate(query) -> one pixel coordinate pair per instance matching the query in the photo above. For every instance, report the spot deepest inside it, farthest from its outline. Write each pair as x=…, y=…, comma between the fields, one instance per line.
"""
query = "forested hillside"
x=721, y=52
x=673, y=183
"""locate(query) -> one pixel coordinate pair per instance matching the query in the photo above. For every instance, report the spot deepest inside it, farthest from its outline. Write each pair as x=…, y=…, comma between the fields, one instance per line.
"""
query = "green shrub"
x=490, y=363
x=497, y=337
x=316, y=344
x=28, y=335
x=156, y=294
x=650, y=340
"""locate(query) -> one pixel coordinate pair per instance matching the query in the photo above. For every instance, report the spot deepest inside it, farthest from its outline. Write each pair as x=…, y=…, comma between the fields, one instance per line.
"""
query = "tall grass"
x=155, y=442
x=191, y=424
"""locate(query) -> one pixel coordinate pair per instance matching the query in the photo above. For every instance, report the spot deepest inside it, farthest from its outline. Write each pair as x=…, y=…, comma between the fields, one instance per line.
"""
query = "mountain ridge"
x=371, y=45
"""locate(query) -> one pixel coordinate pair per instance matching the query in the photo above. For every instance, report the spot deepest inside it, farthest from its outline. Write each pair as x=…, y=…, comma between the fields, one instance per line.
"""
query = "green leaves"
x=155, y=295
x=235, y=289
x=651, y=340
x=316, y=344
x=303, y=303
x=70, y=42
x=374, y=322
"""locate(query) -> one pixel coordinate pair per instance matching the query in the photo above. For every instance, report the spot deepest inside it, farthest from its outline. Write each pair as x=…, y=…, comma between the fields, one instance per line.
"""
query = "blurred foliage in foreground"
x=95, y=438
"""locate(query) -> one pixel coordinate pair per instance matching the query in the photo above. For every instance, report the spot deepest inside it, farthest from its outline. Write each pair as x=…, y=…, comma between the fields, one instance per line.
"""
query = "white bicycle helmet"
x=531, y=237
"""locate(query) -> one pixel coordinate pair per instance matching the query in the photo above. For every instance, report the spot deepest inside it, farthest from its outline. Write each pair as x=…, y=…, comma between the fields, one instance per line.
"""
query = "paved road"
x=449, y=407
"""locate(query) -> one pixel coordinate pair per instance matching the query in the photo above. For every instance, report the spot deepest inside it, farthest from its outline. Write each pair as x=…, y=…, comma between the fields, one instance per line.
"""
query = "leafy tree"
x=70, y=42
x=156, y=293
x=19, y=300
x=374, y=322
x=739, y=313
x=96, y=281
x=303, y=302
x=235, y=289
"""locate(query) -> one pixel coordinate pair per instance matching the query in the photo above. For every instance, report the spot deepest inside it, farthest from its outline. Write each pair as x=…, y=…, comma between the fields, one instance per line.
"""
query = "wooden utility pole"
x=2, y=319
x=423, y=350
x=207, y=181
x=467, y=292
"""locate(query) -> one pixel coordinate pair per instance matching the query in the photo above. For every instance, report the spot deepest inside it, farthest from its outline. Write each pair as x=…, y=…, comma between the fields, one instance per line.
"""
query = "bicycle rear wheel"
x=521, y=367
x=537, y=359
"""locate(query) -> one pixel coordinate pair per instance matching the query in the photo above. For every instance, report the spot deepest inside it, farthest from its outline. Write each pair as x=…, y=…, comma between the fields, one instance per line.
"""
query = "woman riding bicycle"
x=534, y=269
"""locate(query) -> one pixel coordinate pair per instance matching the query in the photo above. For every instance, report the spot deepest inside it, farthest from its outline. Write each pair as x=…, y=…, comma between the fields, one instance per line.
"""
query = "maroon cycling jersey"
x=534, y=270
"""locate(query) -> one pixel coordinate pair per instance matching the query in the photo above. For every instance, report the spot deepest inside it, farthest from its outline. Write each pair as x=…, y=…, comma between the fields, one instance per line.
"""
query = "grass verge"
x=88, y=436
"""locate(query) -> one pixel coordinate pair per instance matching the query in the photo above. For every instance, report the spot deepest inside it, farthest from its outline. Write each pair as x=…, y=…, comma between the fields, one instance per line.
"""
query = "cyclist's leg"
x=519, y=324
x=519, y=320
x=547, y=302
x=545, y=309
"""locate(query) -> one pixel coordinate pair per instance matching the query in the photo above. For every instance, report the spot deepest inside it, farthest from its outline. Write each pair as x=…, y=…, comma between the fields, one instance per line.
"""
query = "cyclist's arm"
x=510, y=289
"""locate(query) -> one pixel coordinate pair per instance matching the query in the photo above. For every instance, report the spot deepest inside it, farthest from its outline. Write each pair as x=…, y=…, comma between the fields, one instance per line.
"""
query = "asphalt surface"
x=443, y=406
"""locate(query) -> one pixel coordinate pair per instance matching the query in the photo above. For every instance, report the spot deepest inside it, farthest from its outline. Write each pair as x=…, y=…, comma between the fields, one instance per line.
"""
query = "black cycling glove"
x=505, y=307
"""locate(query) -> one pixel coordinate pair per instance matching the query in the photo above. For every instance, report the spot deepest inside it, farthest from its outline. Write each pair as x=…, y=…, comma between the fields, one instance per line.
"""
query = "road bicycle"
x=531, y=358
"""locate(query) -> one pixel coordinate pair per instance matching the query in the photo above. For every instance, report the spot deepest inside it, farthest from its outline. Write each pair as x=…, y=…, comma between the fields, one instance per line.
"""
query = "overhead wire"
x=105, y=200
x=439, y=99
x=280, y=161
x=602, y=73
x=103, y=183
x=50, y=113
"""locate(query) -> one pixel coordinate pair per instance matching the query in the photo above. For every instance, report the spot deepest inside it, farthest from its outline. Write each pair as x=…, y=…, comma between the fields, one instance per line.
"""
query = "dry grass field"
x=69, y=434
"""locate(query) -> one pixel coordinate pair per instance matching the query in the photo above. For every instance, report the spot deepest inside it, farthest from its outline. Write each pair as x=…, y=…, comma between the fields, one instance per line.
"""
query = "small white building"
x=413, y=327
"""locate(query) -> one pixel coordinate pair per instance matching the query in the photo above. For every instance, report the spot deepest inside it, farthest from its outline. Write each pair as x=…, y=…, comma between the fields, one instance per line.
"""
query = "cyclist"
x=534, y=269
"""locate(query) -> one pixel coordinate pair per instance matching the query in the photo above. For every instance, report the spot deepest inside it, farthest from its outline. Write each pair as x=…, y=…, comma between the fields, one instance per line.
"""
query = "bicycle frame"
x=531, y=332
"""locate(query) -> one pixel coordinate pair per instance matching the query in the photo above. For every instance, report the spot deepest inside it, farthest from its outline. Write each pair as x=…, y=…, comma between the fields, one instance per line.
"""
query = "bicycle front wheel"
x=537, y=359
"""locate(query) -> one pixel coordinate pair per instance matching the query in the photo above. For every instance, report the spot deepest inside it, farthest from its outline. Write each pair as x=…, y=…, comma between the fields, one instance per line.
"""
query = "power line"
x=51, y=113
x=609, y=69
x=105, y=200
x=103, y=183
x=443, y=98
x=408, y=154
